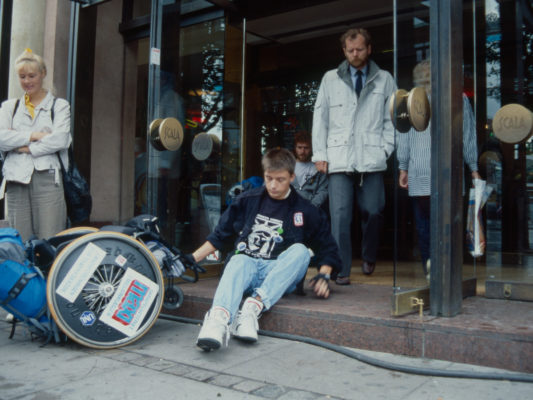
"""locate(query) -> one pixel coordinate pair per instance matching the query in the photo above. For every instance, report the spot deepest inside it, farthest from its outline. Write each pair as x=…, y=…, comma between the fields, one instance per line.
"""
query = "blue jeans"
x=370, y=194
x=269, y=279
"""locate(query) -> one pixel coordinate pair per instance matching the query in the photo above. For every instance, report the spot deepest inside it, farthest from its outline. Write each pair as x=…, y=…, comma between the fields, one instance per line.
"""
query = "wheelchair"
x=106, y=288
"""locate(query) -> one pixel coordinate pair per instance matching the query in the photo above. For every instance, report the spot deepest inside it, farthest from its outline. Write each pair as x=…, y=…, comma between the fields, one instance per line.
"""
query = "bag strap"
x=15, y=110
x=70, y=160
x=17, y=288
x=61, y=162
x=4, y=153
x=52, y=114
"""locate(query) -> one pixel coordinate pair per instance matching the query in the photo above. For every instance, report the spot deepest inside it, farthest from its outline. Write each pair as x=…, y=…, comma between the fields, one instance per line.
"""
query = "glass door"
x=495, y=142
x=188, y=132
x=505, y=121
x=411, y=114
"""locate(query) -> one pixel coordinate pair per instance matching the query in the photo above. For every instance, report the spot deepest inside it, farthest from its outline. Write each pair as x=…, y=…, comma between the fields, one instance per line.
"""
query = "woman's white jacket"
x=16, y=130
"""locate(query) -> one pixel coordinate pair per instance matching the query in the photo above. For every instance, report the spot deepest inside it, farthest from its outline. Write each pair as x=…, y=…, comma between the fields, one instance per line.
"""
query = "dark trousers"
x=422, y=211
x=369, y=191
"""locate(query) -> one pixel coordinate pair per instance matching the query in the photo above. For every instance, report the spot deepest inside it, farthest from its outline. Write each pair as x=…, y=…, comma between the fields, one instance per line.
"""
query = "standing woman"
x=32, y=135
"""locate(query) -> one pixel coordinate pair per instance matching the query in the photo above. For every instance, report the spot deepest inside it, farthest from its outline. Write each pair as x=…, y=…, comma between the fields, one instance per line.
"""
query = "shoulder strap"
x=52, y=110
x=14, y=111
x=16, y=107
x=70, y=147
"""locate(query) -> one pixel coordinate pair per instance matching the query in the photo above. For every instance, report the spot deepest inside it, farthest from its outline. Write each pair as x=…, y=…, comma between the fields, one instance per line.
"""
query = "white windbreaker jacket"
x=15, y=132
x=351, y=134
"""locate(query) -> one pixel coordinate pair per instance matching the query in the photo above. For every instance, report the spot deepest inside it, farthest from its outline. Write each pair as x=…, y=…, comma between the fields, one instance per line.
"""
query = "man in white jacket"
x=353, y=137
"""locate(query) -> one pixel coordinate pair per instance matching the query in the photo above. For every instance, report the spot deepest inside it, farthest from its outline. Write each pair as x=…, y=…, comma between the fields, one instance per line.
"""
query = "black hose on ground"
x=513, y=377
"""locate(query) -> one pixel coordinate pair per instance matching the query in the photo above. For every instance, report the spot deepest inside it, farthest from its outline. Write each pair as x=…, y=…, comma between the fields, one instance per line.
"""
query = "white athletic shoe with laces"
x=246, y=326
x=215, y=330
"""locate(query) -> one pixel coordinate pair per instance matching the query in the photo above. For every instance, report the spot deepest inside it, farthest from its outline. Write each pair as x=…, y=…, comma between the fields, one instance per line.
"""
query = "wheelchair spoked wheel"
x=105, y=290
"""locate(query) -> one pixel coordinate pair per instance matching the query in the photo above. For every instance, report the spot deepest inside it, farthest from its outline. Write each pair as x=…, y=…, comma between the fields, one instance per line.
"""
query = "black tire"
x=113, y=294
x=173, y=297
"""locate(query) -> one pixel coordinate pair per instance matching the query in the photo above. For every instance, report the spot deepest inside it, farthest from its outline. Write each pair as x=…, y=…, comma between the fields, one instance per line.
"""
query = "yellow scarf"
x=29, y=106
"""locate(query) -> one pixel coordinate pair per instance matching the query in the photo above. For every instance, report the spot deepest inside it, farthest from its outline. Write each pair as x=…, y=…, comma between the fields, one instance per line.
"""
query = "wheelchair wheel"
x=63, y=238
x=78, y=229
x=105, y=290
x=173, y=297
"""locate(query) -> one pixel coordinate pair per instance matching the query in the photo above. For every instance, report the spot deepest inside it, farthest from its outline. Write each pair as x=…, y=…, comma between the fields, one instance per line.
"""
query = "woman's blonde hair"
x=28, y=57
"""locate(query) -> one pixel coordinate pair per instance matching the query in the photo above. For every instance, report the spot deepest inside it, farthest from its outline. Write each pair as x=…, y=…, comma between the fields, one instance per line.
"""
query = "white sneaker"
x=246, y=326
x=215, y=330
x=10, y=317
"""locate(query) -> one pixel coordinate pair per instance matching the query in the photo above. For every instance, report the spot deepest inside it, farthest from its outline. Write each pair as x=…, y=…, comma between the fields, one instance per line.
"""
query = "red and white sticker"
x=298, y=219
x=130, y=303
x=121, y=260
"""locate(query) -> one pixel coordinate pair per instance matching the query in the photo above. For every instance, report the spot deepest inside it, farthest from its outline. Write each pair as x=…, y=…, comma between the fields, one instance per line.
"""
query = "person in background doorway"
x=272, y=228
x=414, y=162
x=353, y=137
x=309, y=183
x=32, y=136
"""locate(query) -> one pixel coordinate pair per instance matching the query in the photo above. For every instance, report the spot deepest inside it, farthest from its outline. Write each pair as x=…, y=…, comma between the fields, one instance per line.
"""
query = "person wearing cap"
x=272, y=229
x=34, y=132
x=353, y=137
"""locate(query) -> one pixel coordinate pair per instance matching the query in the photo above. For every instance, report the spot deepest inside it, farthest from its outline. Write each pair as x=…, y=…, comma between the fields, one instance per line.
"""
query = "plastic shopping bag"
x=475, y=234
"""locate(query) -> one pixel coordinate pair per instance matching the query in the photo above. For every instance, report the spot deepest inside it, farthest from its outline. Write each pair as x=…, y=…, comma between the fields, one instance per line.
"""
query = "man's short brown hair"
x=302, y=137
x=279, y=159
x=352, y=34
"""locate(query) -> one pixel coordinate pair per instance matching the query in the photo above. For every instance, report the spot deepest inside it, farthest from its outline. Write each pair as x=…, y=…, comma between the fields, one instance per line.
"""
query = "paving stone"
x=178, y=370
x=200, y=374
x=299, y=395
x=144, y=360
x=226, y=380
x=249, y=385
x=270, y=391
x=125, y=356
x=161, y=365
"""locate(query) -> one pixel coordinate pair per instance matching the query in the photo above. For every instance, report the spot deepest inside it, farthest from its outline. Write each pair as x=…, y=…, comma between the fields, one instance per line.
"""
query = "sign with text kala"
x=130, y=303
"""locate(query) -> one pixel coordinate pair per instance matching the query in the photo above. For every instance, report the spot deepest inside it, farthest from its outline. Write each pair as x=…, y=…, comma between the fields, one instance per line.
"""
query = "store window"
x=504, y=116
x=184, y=182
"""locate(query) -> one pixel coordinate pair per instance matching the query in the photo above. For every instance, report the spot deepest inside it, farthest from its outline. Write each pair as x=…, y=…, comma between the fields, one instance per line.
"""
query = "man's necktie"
x=358, y=82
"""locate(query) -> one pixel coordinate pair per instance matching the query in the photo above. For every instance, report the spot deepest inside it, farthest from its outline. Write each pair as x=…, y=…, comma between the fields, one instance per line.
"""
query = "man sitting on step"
x=273, y=228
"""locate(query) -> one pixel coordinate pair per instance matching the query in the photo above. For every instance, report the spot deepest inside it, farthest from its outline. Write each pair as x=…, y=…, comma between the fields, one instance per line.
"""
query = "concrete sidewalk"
x=166, y=364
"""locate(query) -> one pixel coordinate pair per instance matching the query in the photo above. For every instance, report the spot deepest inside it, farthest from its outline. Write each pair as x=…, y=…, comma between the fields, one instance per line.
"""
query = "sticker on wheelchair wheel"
x=121, y=260
x=80, y=273
x=87, y=318
x=130, y=303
